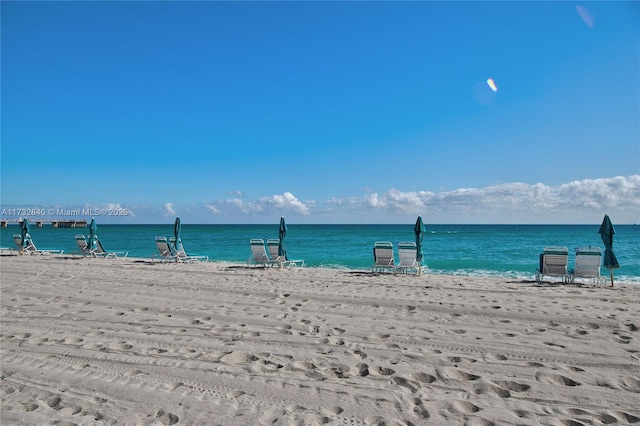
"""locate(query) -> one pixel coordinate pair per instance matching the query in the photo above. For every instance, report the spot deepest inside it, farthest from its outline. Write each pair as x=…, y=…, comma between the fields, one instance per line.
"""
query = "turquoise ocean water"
x=480, y=250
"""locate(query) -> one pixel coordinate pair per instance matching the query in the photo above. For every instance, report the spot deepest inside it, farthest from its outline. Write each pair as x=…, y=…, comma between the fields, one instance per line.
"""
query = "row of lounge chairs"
x=169, y=251
x=270, y=256
x=407, y=255
x=98, y=251
x=554, y=262
x=30, y=248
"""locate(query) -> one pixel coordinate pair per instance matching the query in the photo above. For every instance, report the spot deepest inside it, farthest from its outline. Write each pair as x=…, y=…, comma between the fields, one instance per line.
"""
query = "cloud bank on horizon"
x=582, y=201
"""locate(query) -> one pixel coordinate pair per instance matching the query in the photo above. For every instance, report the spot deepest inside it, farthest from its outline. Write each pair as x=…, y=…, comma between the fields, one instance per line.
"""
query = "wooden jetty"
x=54, y=223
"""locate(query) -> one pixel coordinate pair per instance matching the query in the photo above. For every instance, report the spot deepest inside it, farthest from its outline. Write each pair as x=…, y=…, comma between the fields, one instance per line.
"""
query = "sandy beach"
x=101, y=341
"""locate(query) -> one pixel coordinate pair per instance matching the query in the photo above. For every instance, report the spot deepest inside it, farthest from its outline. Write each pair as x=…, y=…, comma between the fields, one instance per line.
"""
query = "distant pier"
x=54, y=223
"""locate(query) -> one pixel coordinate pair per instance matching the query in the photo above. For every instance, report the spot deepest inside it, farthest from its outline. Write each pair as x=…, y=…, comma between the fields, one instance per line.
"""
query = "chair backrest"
x=588, y=262
x=178, y=250
x=554, y=260
x=273, y=245
x=99, y=248
x=258, y=251
x=383, y=253
x=163, y=247
x=17, y=239
x=407, y=255
x=81, y=241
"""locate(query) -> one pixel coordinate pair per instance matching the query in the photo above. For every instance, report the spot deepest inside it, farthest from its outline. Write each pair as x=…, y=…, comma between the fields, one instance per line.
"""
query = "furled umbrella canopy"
x=282, y=232
x=177, y=242
x=24, y=233
x=606, y=233
x=93, y=236
x=419, y=230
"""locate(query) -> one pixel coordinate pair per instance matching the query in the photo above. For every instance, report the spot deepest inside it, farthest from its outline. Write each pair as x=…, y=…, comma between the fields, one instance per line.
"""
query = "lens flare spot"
x=492, y=84
x=585, y=16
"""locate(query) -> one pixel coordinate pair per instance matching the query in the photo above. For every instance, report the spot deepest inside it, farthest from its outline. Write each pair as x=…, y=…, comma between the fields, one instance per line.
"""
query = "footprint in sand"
x=167, y=418
x=358, y=354
x=496, y=357
x=404, y=383
x=381, y=371
x=625, y=417
x=30, y=406
x=449, y=373
x=555, y=379
x=237, y=357
x=513, y=386
x=627, y=383
x=422, y=377
x=132, y=373
x=54, y=402
x=487, y=388
x=361, y=369
x=462, y=407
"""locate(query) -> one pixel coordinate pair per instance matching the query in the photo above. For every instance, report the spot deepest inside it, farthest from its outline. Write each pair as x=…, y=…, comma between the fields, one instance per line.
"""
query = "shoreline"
x=481, y=274
x=127, y=342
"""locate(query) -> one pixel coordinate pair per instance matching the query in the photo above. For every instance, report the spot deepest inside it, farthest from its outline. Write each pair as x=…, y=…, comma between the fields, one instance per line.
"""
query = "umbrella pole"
x=611, y=272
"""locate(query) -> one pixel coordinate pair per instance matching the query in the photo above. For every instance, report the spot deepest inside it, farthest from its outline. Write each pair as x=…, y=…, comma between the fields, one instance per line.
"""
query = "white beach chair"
x=587, y=264
x=553, y=263
x=7, y=251
x=83, y=245
x=31, y=249
x=273, y=245
x=383, y=257
x=182, y=256
x=164, y=250
x=99, y=251
x=407, y=252
x=259, y=254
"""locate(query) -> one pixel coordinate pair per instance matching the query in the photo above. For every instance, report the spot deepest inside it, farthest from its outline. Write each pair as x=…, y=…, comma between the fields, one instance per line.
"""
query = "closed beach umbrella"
x=177, y=228
x=282, y=232
x=419, y=230
x=93, y=236
x=606, y=232
x=24, y=233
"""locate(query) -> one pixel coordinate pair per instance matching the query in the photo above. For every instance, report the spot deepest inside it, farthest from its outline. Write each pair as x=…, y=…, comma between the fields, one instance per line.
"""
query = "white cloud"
x=537, y=201
x=286, y=202
x=168, y=210
x=273, y=205
x=582, y=201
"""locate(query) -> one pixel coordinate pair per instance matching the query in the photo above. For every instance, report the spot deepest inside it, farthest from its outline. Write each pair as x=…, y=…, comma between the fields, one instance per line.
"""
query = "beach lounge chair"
x=30, y=248
x=273, y=246
x=164, y=250
x=83, y=245
x=587, y=264
x=99, y=251
x=259, y=254
x=407, y=258
x=7, y=251
x=182, y=256
x=383, y=257
x=553, y=263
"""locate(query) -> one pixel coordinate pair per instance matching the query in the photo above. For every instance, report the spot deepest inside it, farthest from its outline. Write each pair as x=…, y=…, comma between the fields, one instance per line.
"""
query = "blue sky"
x=324, y=112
